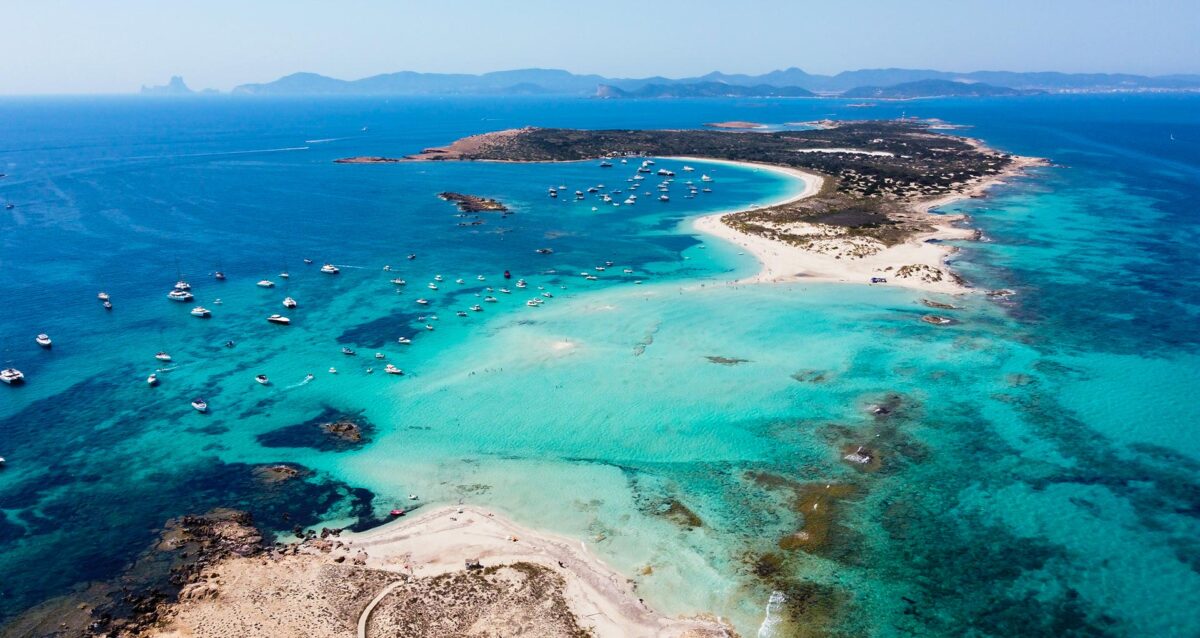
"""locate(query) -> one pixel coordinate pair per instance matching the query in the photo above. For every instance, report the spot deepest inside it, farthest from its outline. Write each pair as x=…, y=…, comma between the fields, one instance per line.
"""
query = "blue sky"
x=114, y=46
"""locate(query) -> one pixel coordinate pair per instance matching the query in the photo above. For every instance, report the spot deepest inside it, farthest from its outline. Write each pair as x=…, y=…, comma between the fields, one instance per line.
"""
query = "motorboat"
x=506, y=291
x=591, y=278
x=705, y=190
x=664, y=198
x=308, y=261
x=262, y=379
x=547, y=294
x=332, y=370
x=200, y=404
x=330, y=269
x=477, y=308
x=533, y=303
x=43, y=340
x=429, y=326
x=423, y=302
x=461, y=313
x=152, y=380
x=432, y=286
x=705, y=178
x=521, y=283
x=202, y=312
x=490, y=299
x=542, y=251
x=403, y=340
x=378, y=355
x=288, y=302
x=480, y=278
x=284, y=275
x=279, y=319
x=180, y=295
x=266, y=283
x=399, y=282
x=606, y=164
x=411, y=256
x=217, y=301
x=437, y=278
x=391, y=369
x=102, y=296
x=348, y=352
x=219, y=276
x=460, y=280
x=688, y=169
x=12, y=376
x=182, y=285
x=162, y=356
x=628, y=271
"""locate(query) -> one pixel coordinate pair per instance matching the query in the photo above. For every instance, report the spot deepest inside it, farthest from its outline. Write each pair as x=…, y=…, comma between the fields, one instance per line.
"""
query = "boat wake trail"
x=306, y=381
x=324, y=140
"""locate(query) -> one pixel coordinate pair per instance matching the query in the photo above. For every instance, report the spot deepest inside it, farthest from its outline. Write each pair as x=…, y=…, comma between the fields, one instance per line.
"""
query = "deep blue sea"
x=1041, y=460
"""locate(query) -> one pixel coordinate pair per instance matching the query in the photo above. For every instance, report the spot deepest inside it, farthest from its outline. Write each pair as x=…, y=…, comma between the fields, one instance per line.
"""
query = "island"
x=862, y=215
x=474, y=203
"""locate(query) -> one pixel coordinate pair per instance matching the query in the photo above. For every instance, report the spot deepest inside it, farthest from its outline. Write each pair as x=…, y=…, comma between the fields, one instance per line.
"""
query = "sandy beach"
x=904, y=264
x=413, y=572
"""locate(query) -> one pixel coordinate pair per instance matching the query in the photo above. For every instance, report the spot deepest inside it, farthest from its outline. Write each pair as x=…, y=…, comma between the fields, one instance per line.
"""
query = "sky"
x=115, y=46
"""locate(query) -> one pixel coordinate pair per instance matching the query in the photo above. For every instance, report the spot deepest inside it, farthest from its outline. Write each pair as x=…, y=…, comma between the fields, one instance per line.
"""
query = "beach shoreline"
x=446, y=544
x=787, y=263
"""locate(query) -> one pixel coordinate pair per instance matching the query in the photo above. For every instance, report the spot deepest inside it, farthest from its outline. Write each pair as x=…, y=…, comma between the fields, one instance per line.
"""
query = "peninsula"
x=863, y=215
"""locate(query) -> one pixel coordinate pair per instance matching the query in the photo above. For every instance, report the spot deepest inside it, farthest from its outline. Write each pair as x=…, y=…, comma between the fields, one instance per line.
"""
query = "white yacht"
x=330, y=269
x=266, y=283
x=477, y=308
x=423, y=302
x=459, y=281
x=332, y=370
x=705, y=178
x=403, y=341
x=432, y=286
x=664, y=198
x=152, y=380
x=12, y=376
x=180, y=295
x=687, y=169
x=391, y=369
x=102, y=296
x=479, y=277
x=429, y=326
x=279, y=319
x=461, y=313
x=490, y=299
x=379, y=355
x=399, y=282
x=182, y=285
x=521, y=283
x=288, y=302
x=506, y=291
x=200, y=404
x=437, y=278
x=43, y=340
x=162, y=356
x=547, y=294
x=201, y=311
x=284, y=275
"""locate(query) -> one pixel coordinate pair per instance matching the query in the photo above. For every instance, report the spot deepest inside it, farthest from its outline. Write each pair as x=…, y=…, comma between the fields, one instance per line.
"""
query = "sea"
x=1035, y=465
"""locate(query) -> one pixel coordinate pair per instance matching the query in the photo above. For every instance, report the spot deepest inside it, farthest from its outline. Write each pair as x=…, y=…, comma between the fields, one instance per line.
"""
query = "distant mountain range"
x=702, y=89
x=935, y=88
x=175, y=87
x=790, y=82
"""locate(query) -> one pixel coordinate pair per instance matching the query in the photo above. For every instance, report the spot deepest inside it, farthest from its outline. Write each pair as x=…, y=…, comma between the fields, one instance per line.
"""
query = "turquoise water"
x=1038, y=471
